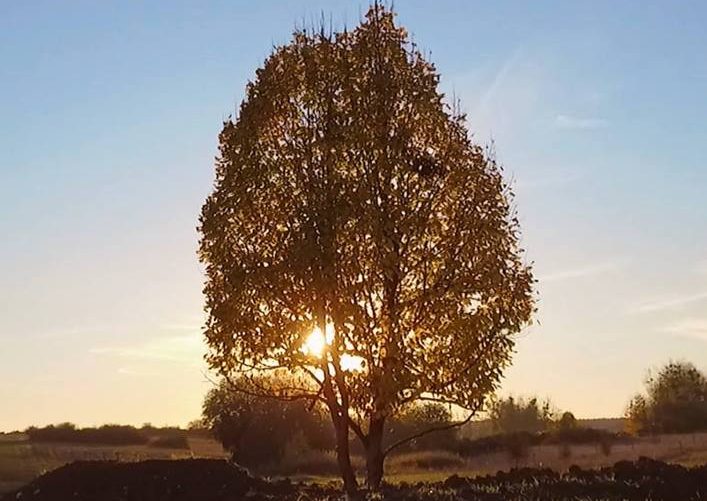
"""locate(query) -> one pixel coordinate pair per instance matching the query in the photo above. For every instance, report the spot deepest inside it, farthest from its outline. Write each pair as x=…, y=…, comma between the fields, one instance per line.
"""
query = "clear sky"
x=109, y=119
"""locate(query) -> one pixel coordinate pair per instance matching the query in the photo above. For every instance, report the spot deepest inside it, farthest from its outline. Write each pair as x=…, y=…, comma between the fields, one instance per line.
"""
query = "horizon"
x=107, y=153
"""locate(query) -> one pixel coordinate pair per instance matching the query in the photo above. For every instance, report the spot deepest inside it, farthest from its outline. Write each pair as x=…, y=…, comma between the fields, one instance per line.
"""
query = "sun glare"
x=316, y=343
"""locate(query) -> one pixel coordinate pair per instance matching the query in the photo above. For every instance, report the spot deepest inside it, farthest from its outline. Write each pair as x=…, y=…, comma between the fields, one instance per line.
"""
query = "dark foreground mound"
x=217, y=480
x=155, y=480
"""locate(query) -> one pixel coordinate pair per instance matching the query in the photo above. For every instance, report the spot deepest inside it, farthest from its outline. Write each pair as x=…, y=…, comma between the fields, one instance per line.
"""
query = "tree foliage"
x=256, y=430
x=417, y=419
x=350, y=198
x=513, y=415
x=675, y=401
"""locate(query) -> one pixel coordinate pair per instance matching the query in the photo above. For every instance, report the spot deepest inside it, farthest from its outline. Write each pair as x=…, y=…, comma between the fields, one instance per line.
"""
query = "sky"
x=110, y=113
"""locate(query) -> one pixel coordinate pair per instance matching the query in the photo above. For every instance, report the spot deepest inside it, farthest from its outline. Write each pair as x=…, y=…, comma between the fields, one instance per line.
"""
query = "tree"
x=567, y=422
x=416, y=420
x=513, y=415
x=675, y=401
x=359, y=240
x=256, y=430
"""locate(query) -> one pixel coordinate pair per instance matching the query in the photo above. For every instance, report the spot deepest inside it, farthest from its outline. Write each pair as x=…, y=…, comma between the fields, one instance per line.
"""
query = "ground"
x=219, y=480
x=22, y=461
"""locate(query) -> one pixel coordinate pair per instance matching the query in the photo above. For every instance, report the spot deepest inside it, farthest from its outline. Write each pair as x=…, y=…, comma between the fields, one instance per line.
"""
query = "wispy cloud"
x=183, y=349
x=670, y=303
x=498, y=80
x=691, y=327
x=571, y=122
x=581, y=272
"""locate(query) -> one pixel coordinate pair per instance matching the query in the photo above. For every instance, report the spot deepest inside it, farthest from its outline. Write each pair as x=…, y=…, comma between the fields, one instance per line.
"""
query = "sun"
x=317, y=342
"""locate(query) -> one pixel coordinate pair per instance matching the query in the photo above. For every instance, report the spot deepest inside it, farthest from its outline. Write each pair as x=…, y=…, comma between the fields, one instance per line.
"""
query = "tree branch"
x=428, y=431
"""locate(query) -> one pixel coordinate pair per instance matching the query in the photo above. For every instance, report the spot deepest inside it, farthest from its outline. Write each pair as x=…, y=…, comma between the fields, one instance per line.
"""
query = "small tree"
x=359, y=240
x=416, y=420
x=513, y=415
x=567, y=422
x=675, y=401
x=256, y=430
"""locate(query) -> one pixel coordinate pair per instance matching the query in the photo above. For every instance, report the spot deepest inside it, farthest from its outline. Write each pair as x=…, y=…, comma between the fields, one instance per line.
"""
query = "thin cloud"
x=499, y=78
x=670, y=303
x=691, y=327
x=182, y=349
x=580, y=272
x=579, y=123
x=701, y=267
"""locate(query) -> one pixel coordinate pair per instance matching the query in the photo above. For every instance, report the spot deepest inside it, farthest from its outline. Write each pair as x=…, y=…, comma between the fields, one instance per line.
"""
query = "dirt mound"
x=155, y=480
x=218, y=480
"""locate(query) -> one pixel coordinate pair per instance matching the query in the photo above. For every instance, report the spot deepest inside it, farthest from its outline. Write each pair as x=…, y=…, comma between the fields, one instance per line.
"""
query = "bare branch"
x=428, y=431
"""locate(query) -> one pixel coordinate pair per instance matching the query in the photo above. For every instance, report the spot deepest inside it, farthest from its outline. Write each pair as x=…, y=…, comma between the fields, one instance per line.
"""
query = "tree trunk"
x=374, y=454
x=343, y=457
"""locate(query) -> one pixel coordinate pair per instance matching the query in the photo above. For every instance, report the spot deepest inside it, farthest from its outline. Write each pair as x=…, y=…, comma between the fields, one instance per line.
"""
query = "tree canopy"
x=675, y=401
x=358, y=239
x=512, y=415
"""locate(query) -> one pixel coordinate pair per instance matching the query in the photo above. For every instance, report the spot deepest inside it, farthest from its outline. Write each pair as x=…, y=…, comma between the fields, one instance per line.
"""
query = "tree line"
x=110, y=434
x=261, y=432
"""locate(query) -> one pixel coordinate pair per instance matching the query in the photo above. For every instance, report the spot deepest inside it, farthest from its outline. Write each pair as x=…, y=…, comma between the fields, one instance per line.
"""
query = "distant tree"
x=419, y=418
x=109, y=434
x=351, y=204
x=513, y=415
x=196, y=425
x=567, y=422
x=256, y=430
x=675, y=401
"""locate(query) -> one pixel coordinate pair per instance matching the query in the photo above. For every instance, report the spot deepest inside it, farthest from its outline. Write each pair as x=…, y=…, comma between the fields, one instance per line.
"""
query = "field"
x=22, y=461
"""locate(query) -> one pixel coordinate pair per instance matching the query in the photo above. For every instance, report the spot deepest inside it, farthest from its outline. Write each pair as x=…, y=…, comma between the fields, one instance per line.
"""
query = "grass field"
x=21, y=461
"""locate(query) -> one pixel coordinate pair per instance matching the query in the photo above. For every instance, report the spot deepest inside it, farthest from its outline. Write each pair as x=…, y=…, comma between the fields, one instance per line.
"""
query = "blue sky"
x=110, y=115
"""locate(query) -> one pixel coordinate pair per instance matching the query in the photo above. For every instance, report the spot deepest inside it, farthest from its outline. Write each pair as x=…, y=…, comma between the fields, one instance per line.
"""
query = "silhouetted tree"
x=351, y=201
x=417, y=419
x=256, y=430
x=675, y=401
x=513, y=415
x=567, y=422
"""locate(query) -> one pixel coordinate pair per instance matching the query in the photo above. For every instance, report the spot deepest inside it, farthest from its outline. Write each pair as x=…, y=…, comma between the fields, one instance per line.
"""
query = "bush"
x=514, y=443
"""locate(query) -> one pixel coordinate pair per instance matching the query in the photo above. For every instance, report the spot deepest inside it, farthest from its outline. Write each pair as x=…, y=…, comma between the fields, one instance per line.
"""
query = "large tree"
x=358, y=239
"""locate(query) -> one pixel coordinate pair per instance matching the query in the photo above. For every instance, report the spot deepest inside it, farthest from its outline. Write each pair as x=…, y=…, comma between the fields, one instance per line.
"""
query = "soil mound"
x=154, y=480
